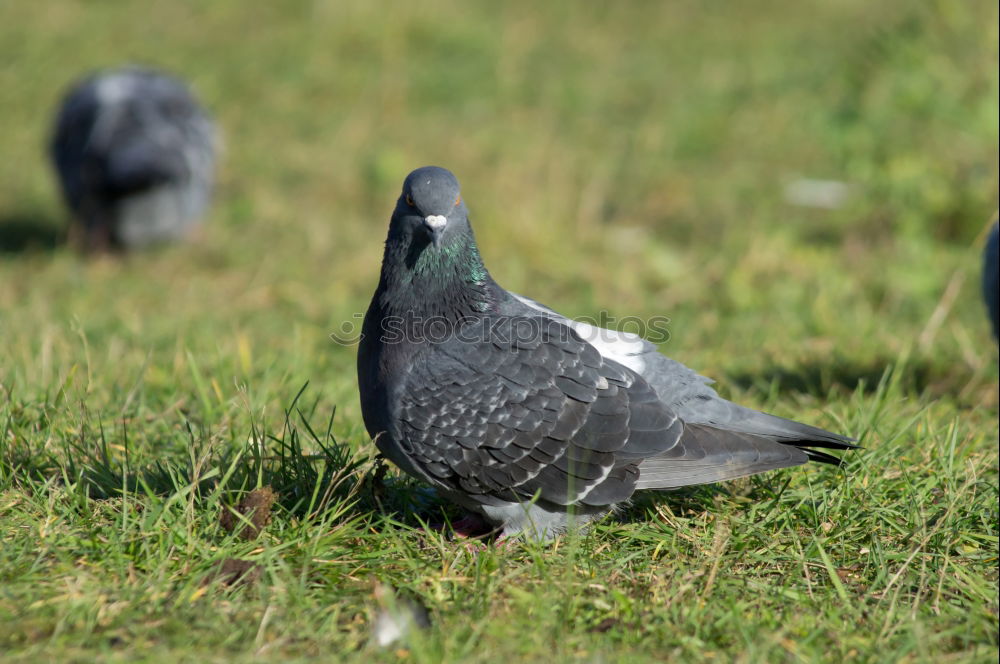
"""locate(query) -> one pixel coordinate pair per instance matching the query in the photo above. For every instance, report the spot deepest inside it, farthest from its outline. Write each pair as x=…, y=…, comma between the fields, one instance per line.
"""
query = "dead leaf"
x=256, y=508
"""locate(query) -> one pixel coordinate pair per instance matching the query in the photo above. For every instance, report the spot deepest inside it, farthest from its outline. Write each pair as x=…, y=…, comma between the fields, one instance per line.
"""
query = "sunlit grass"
x=633, y=158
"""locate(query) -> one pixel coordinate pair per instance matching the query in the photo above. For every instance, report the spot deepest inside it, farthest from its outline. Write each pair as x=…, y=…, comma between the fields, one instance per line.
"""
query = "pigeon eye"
x=458, y=199
x=409, y=200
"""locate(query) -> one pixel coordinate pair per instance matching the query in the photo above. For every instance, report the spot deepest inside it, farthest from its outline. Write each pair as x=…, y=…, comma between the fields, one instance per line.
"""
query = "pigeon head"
x=430, y=208
x=431, y=264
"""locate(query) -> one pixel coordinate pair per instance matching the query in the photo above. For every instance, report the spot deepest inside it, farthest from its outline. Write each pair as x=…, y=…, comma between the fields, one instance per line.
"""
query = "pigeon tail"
x=745, y=420
x=705, y=455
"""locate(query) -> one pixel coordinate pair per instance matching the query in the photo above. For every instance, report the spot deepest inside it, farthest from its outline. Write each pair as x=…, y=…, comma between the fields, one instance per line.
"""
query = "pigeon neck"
x=423, y=281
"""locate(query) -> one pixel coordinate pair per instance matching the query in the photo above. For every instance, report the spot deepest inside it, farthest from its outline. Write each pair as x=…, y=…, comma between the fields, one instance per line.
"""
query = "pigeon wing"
x=524, y=408
x=686, y=392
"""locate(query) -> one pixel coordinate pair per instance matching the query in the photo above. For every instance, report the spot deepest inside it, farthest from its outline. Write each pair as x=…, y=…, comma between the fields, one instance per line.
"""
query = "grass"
x=632, y=157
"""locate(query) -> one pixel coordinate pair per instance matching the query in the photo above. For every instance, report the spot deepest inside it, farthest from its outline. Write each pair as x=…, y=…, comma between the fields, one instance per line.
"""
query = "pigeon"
x=991, y=291
x=533, y=422
x=135, y=156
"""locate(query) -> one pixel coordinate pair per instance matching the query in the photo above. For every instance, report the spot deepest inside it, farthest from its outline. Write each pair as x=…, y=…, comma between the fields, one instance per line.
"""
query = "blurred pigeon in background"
x=991, y=293
x=522, y=416
x=135, y=155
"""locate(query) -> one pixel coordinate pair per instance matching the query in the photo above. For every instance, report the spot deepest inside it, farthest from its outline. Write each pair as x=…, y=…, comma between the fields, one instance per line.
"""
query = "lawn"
x=641, y=159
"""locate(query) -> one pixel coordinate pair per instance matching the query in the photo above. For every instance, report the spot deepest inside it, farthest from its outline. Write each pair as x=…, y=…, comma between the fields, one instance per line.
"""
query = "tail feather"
x=823, y=457
x=705, y=454
x=784, y=430
x=721, y=414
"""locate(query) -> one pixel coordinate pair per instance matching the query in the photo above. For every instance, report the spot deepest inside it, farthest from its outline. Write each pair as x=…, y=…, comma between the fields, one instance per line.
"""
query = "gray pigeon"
x=991, y=292
x=529, y=419
x=135, y=156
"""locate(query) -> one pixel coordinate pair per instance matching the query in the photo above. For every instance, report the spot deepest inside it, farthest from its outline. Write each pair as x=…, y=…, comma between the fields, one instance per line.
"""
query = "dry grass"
x=632, y=158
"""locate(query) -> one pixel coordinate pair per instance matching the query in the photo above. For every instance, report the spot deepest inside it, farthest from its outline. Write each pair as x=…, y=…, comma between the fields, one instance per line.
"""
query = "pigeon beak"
x=435, y=224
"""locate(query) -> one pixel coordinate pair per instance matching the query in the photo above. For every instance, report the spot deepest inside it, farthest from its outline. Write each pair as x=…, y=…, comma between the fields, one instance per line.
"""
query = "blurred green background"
x=646, y=158
x=634, y=158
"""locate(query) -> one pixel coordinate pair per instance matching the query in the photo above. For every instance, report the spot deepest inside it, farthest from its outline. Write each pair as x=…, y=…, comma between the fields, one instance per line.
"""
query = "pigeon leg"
x=500, y=543
x=471, y=526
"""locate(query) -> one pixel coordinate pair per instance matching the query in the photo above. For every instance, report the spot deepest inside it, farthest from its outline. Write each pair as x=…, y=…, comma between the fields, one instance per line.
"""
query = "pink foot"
x=471, y=526
x=501, y=543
